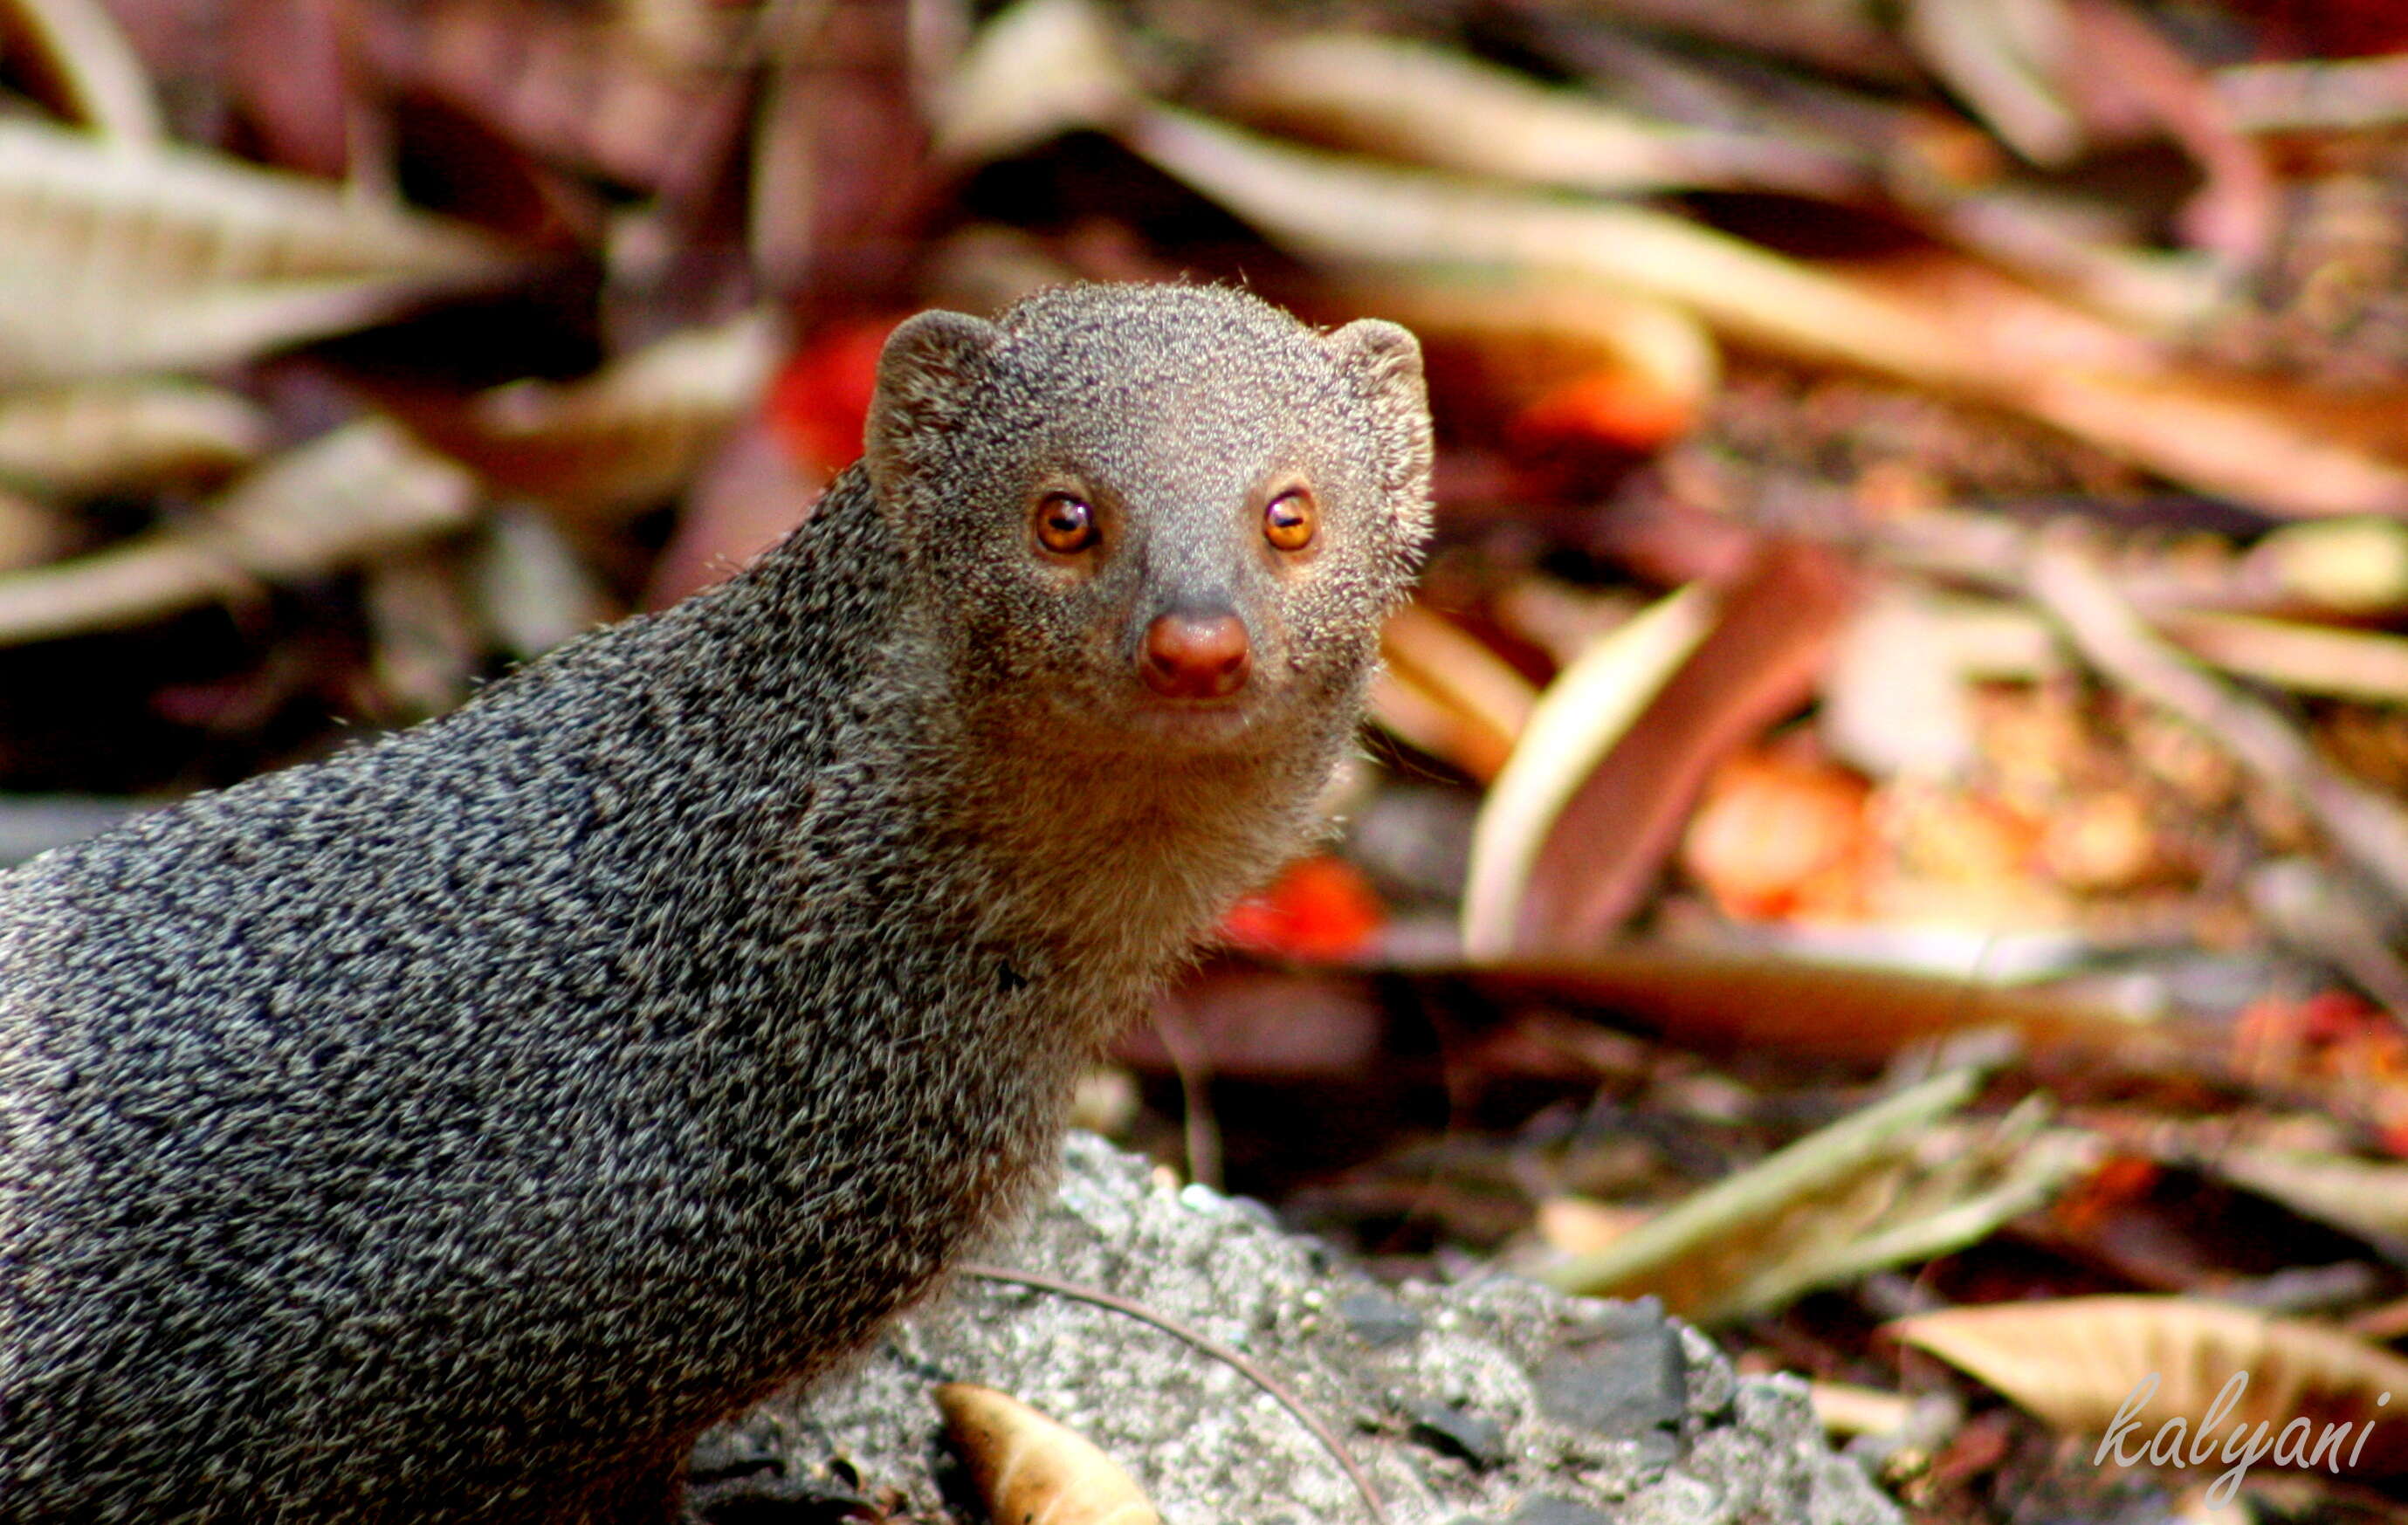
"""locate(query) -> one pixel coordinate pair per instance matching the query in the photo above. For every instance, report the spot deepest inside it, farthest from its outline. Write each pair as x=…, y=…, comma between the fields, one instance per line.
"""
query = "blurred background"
x=1885, y=826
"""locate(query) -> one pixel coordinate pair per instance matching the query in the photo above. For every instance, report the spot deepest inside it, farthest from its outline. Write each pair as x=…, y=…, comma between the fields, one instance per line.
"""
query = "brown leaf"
x=2078, y=1364
x=1031, y=1470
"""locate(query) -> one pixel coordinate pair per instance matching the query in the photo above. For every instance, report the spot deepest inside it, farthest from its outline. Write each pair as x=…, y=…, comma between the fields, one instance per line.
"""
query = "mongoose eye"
x=1064, y=525
x=1289, y=522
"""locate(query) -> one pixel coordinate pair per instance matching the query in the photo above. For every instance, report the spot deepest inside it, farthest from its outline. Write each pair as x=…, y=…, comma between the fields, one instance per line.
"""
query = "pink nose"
x=1192, y=657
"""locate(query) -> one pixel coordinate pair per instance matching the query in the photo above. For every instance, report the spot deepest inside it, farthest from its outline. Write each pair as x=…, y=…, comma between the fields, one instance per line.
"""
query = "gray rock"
x=1600, y=1412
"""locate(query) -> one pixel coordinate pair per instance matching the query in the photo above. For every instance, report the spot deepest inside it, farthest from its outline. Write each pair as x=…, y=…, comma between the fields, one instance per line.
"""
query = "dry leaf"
x=1882, y=1187
x=1436, y=106
x=114, y=437
x=94, y=70
x=625, y=438
x=1894, y=696
x=1031, y=1470
x=551, y=79
x=2078, y=1364
x=1577, y=722
x=2303, y=658
x=1536, y=340
x=1038, y=68
x=341, y=497
x=2006, y=61
x=1445, y=692
x=1615, y=829
x=2354, y=565
x=177, y=257
x=1050, y=65
x=1778, y=836
x=2359, y=1195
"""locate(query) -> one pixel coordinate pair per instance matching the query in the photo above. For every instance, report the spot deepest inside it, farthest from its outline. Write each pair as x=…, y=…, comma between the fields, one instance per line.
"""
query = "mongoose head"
x=1174, y=511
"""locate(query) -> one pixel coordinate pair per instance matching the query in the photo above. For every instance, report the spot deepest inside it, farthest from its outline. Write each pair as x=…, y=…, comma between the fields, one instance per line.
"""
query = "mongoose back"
x=454, y=1129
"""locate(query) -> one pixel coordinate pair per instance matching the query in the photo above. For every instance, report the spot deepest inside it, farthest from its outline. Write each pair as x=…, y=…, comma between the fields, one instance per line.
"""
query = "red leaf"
x=1320, y=910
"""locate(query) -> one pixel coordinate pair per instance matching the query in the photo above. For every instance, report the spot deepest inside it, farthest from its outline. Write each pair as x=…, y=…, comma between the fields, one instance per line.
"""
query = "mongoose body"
x=453, y=1129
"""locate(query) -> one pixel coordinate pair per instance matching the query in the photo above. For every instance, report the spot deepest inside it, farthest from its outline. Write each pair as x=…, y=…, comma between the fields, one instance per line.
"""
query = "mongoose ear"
x=923, y=371
x=1382, y=359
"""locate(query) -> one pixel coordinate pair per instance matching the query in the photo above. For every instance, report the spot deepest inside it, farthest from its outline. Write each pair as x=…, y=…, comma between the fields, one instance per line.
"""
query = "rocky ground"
x=1491, y=1402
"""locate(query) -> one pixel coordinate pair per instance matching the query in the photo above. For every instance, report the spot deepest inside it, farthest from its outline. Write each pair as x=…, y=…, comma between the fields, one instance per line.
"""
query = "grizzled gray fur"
x=454, y=1129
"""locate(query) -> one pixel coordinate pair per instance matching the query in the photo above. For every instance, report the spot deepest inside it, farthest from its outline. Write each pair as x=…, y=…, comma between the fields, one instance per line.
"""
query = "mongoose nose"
x=1188, y=657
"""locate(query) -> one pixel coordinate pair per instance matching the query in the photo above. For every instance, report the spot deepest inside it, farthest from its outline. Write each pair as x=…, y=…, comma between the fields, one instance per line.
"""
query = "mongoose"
x=452, y=1130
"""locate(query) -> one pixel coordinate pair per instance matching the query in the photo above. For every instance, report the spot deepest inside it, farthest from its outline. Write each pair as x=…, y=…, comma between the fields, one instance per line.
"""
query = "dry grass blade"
x=114, y=437
x=2364, y=825
x=358, y=491
x=1411, y=100
x=93, y=69
x=1578, y=720
x=1034, y=1470
x=2303, y=658
x=627, y=436
x=2078, y=1364
x=1878, y=1188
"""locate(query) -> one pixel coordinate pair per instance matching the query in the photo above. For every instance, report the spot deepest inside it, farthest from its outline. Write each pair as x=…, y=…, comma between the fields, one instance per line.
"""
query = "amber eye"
x=1287, y=523
x=1064, y=525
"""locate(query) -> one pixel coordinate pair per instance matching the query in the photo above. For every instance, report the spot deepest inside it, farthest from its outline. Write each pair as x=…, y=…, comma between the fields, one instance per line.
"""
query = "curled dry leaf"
x=1614, y=830
x=177, y=257
x=1576, y=722
x=2078, y=1362
x=341, y=497
x=1031, y=1470
x=112, y=436
x=625, y=438
x=1434, y=106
